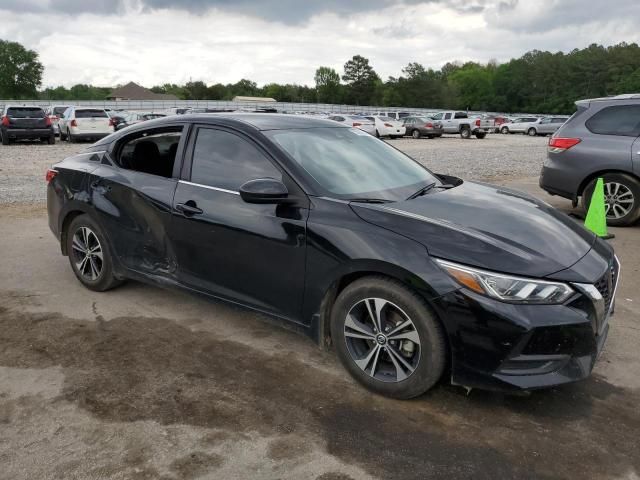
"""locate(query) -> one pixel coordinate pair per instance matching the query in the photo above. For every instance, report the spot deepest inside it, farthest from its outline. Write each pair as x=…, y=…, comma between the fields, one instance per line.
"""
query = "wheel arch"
x=378, y=269
x=600, y=173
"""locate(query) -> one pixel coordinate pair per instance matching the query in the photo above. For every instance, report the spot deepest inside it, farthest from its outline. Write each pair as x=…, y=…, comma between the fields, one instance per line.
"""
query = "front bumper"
x=512, y=348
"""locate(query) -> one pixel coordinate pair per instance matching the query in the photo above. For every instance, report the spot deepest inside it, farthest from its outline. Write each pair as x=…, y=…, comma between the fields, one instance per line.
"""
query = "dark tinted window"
x=558, y=120
x=447, y=116
x=225, y=160
x=91, y=114
x=622, y=120
x=152, y=152
x=460, y=115
x=25, y=112
x=59, y=110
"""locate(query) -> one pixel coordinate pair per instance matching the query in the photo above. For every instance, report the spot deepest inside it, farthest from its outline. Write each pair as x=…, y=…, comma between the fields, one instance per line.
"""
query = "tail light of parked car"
x=5, y=121
x=388, y=125
x=428, y=125
x=356, y=124
x=112, y=122
x=50, y=175
x=47, y=121
x=73, y=123
x=560, y=144
x=477, y=122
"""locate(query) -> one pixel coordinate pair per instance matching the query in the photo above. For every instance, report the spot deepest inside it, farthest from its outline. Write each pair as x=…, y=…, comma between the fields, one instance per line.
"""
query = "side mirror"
x=264, y=190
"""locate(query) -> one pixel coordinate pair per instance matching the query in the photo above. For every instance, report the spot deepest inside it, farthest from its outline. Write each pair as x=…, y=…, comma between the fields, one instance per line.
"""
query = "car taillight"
x=428, y=125
x=47, y=121
x=74, y=123
x=388, y=125
x=5, y=121
x=112, y=123
x=477, y=122
x=356, y=124
x=560, y=144
x=51, y=174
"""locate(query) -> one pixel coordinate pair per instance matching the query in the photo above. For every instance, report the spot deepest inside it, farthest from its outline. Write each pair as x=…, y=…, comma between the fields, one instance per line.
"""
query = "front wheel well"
x=329, y=299
x=601, y=173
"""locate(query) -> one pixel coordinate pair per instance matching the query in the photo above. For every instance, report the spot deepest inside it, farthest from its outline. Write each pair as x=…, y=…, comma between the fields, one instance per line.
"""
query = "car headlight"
x=506, y=287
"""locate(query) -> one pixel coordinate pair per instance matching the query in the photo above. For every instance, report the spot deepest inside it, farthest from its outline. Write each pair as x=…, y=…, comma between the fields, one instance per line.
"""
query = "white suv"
x=81, y=123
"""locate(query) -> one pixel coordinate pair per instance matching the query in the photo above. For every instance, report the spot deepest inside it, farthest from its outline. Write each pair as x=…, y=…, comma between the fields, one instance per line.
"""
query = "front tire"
x=89, y=254
x=622, y=198
x=388, y=338
x=504, y=130
x=532, y=132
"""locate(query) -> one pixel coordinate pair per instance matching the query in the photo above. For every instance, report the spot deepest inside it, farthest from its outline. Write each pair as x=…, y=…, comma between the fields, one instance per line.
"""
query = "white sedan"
x=388, y=127
x=355, y=121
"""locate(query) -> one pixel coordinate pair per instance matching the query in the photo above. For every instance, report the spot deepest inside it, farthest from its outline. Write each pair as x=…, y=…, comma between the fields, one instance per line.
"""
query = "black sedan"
x=407, y=273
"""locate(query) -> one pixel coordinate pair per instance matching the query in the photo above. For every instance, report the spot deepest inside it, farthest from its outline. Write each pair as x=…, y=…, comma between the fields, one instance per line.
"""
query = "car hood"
x=486, y=226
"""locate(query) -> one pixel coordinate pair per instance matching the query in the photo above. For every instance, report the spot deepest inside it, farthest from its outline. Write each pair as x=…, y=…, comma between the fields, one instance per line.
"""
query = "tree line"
x=538, y=81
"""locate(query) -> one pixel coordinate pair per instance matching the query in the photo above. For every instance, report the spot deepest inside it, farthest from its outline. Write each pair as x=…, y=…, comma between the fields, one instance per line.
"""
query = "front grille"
x=606, y=284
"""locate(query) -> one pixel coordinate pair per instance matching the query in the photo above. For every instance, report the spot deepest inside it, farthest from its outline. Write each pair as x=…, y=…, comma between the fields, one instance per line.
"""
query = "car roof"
x=625, y=96
x=260, y=121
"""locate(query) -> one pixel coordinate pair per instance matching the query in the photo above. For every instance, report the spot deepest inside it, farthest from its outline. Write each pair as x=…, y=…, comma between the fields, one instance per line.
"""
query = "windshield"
x=349, y=163
x=25, y=112
x=91, y=114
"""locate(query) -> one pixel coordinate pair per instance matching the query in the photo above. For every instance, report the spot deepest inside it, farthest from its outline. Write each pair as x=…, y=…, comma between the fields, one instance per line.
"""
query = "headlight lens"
x=508, y=288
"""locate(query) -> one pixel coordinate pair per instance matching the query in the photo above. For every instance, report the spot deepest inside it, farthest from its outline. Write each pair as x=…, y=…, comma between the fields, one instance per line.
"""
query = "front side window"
x=623, y=120
x=349, y=163
x=447, y=116
x=225, y=160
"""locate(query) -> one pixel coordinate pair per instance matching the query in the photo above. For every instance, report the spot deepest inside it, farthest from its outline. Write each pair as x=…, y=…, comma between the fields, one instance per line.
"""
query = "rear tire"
x=377, y=133
x=70, y=137
x=628, y=189
x=480, y=136
x=5, y=140
x=532, y=132
x=504, y=130
x=416, y=134
x=51, y=140
x=89, y=254
x=465, y=132
x=63, y=137
x=401, y=365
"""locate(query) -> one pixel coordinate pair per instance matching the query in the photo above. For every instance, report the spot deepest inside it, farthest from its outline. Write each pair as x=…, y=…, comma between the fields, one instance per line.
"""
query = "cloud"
x=105, y=43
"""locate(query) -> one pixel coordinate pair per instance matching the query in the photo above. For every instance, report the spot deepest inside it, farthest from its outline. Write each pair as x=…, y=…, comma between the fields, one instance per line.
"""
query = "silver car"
x=355, y=121
x=518, y=125
x=55, y=112
x=545, y=126
x=601, y=140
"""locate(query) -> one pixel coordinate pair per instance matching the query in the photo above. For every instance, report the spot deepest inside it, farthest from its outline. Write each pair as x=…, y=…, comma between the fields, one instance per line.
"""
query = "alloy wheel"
x=382, y=340
x=87, y=253
x=619, y=200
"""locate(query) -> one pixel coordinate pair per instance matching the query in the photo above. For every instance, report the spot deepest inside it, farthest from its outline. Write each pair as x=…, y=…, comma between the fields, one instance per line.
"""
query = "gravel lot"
x=497, y=157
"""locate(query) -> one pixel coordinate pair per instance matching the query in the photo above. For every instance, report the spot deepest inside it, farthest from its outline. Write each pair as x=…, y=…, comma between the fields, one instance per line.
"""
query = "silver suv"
x=602, y=139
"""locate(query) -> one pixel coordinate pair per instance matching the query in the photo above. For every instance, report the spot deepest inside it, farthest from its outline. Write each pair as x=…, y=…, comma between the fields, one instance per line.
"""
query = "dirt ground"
x=146, y=383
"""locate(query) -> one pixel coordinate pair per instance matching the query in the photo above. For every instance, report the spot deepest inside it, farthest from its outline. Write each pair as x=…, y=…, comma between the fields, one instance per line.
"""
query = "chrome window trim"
x=217, y=189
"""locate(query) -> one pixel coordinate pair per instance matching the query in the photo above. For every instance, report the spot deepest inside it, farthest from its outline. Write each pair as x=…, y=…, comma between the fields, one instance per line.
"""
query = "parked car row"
x=533, y=126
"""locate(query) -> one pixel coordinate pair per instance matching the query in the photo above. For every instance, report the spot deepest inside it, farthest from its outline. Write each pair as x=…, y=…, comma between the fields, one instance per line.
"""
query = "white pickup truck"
x=460, y=122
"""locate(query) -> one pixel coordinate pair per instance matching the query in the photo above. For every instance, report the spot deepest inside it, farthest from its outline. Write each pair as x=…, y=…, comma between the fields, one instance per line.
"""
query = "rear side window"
x=59, y=110
x=152, y=152
x=91, y=114
x=460, y=115
x=623, y=120
x=25, y=112
x=225, y=160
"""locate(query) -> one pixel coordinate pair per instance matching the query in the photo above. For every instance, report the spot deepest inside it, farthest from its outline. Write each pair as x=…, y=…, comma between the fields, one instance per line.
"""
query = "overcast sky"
x=157, y=41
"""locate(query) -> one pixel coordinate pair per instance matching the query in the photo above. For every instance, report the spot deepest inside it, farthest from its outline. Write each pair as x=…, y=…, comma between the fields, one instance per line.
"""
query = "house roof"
x=133, y=91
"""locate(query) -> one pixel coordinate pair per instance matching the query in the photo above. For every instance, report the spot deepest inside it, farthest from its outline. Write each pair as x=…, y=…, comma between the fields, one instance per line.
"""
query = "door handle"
x=188, y=208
